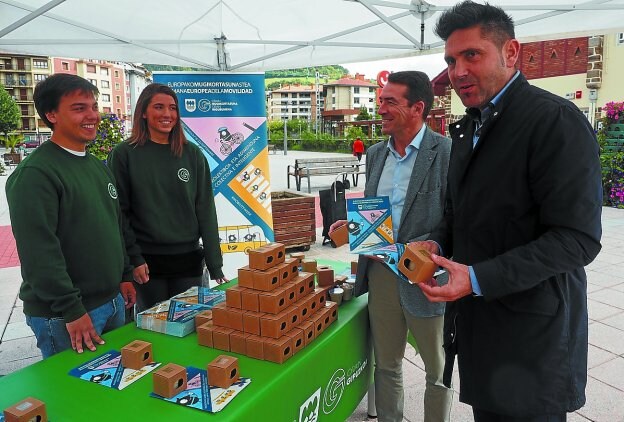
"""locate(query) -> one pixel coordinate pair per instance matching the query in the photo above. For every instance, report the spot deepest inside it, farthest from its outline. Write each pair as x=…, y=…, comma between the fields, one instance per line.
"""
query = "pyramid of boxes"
x=272, y=313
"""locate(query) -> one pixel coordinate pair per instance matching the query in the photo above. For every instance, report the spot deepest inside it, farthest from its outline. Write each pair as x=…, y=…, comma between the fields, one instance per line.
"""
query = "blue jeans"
x=51, y=333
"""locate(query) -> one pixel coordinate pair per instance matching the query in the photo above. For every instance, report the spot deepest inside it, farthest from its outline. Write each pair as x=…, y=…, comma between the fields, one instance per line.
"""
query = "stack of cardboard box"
x=272, y=313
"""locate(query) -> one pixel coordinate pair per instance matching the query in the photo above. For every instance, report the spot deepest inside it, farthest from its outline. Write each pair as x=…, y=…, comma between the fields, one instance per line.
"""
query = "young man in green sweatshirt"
x=66, y=221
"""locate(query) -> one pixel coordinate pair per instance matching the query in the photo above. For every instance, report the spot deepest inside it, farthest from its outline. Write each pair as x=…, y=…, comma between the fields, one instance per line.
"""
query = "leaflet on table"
x=201, y=396
x=107, y=370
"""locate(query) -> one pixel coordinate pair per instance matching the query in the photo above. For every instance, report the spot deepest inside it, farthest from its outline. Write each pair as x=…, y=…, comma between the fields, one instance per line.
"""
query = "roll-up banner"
x=225, y=115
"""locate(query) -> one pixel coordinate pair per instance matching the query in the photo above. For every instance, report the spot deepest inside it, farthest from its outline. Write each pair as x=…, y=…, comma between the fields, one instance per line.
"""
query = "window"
x=119, y=113
x=117, y=86
x=91, y=68
x=104, y=84
x=104, y=71
x=118, y=98
x=39, y=78
x=25, y=123
x=93, y=81
x=65, y=65
x=356, y=100
x=106, y=98
x=106, y=110
x=116, y=73
x=620, y=38
x=40, y=64
x=22, y=80
x=356, y=90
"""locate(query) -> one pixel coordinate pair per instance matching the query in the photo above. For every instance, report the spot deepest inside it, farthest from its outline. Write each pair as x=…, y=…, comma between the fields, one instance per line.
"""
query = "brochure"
x=107, y=370
x=201, y=396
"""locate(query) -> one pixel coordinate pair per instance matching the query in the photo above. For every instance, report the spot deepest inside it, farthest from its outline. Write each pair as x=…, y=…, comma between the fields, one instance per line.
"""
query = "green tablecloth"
x=335, y=369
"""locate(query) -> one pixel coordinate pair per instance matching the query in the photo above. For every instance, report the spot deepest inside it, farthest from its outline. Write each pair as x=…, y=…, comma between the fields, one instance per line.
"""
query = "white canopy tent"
x=258, y=35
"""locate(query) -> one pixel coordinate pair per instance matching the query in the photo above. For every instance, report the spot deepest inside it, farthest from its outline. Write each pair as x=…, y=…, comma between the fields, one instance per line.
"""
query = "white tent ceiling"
x=256, y=35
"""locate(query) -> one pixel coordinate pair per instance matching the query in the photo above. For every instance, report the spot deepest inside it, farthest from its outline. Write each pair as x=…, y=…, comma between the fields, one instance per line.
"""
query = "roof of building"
x=347, y=80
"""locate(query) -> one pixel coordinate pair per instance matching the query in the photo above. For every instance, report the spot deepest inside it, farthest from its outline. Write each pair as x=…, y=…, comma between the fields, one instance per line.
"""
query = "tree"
x=9, y=113
x=363, y=115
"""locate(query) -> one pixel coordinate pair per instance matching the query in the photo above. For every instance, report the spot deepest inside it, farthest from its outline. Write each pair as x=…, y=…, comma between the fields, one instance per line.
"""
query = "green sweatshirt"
x=66, y=221
x=167, y=202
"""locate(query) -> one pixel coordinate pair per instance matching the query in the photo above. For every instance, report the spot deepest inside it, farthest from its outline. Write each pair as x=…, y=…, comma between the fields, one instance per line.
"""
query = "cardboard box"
x=137, y=354
x=274, y=326
x=221, y=315
x=273, y=302
x=203, y=296
x=267, y=280
x=309, y=333
x=238, y=342
x=251, y=322
x=250, y=301
x=416, y=264
x=169, y=380
x=233, y=297
x=267, y=256
x=26, y=410
x=354, y=266
x=203, y=317
x=223, y=371
x=332, y=307
x=245, y=277
x=288, y=270
x=298, y=342
x=235, y=319
x=255, y=347
x=319, y=323
x=325, y=276
x=278, y=350
x=340, y=236
x=204, y=334
x=299, y=256
x=221, y=338
x=308, y=266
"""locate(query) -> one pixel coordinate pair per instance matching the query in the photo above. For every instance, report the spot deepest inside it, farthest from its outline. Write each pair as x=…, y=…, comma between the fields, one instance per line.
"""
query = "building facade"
x=19, y=74
x=344, y=98
x=293, y=102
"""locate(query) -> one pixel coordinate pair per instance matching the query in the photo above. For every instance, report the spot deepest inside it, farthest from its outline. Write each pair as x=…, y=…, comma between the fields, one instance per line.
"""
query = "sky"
x=431, y=64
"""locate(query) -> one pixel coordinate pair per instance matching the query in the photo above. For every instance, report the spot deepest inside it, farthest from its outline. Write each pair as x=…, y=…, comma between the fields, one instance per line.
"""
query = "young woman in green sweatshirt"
x=166, y=198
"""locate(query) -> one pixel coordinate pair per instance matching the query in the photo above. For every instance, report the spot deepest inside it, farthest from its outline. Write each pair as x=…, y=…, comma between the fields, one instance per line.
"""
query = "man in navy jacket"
x=521, y=221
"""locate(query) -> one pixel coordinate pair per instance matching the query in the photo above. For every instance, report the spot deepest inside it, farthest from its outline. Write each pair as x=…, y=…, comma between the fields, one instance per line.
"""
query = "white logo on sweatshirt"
x=112, y=191
x=184, y=175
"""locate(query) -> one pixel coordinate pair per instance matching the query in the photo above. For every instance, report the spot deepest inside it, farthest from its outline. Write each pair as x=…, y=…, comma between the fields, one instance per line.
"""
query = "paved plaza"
x=605, y=387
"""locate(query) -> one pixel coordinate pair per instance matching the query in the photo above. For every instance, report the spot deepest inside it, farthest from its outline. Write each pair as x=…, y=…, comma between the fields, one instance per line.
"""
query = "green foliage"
x=612, y=162
x=354, y=132
x=297, y=126
x=12, y=140
x=9, y=113
x=110, y=132
x=363, y=115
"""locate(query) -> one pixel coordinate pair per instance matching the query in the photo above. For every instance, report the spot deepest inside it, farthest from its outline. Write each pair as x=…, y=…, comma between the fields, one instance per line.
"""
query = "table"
x=330, y=377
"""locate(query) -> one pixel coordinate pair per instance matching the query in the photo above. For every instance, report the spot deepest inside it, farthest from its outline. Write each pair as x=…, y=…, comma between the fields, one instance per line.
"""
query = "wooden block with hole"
x=169, y=380
x=325, y=276
x=299, y=256
x=223, y=371
x=274, y=326
x=267, y=256
x=298, y=342
x=272, y=302
x=233, y=296
x=137, y=354
x=203, y=317
x=278, y=350
x=308, y=265
x=204, y=334
x=251, y=322
x=416, y=264
x=29, y=409
x=267, y=280
x=309, y=333
x=245, y=277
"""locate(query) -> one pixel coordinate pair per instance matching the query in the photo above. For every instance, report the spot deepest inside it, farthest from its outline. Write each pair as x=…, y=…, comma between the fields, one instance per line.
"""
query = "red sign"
x=382, y=78
x=578, y=94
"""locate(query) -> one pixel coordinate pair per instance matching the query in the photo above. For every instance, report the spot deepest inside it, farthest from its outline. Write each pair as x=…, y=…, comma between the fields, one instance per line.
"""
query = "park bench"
x=271, y=148
x=325, y=166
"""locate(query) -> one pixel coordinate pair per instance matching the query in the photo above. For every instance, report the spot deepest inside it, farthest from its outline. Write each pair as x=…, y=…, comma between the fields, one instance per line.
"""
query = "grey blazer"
x=422, y=211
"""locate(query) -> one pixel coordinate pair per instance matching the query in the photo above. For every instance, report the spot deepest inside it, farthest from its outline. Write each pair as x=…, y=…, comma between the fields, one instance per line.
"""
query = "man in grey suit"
x=411, y=170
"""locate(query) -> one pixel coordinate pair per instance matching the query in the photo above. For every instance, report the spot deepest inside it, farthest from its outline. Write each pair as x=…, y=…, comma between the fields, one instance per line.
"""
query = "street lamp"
x=285, y=116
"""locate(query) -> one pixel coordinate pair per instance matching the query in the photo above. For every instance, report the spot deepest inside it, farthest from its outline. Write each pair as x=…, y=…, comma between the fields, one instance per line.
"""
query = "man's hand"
x=337, y=224
x=128, y=292
x=458, y=284
x=428, y=245
x=222, y=280
x=141, y=274
x=82, y=331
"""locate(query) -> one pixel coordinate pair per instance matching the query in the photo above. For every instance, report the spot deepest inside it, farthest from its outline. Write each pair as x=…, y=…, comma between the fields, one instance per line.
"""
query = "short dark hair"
x=494, y=22
x=140, y=131
x=418, y=87
x=48, y=92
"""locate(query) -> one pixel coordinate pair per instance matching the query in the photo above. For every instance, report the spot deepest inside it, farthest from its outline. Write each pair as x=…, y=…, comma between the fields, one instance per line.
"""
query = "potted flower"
x=612, y=154
x=11, y=141
x=110, y=132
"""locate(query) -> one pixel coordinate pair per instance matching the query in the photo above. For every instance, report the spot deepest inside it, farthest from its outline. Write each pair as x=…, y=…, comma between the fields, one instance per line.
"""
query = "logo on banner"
x=309, y=411
x=204, y=105
x=112, y=191
x=190, y=104
x=184, y=175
